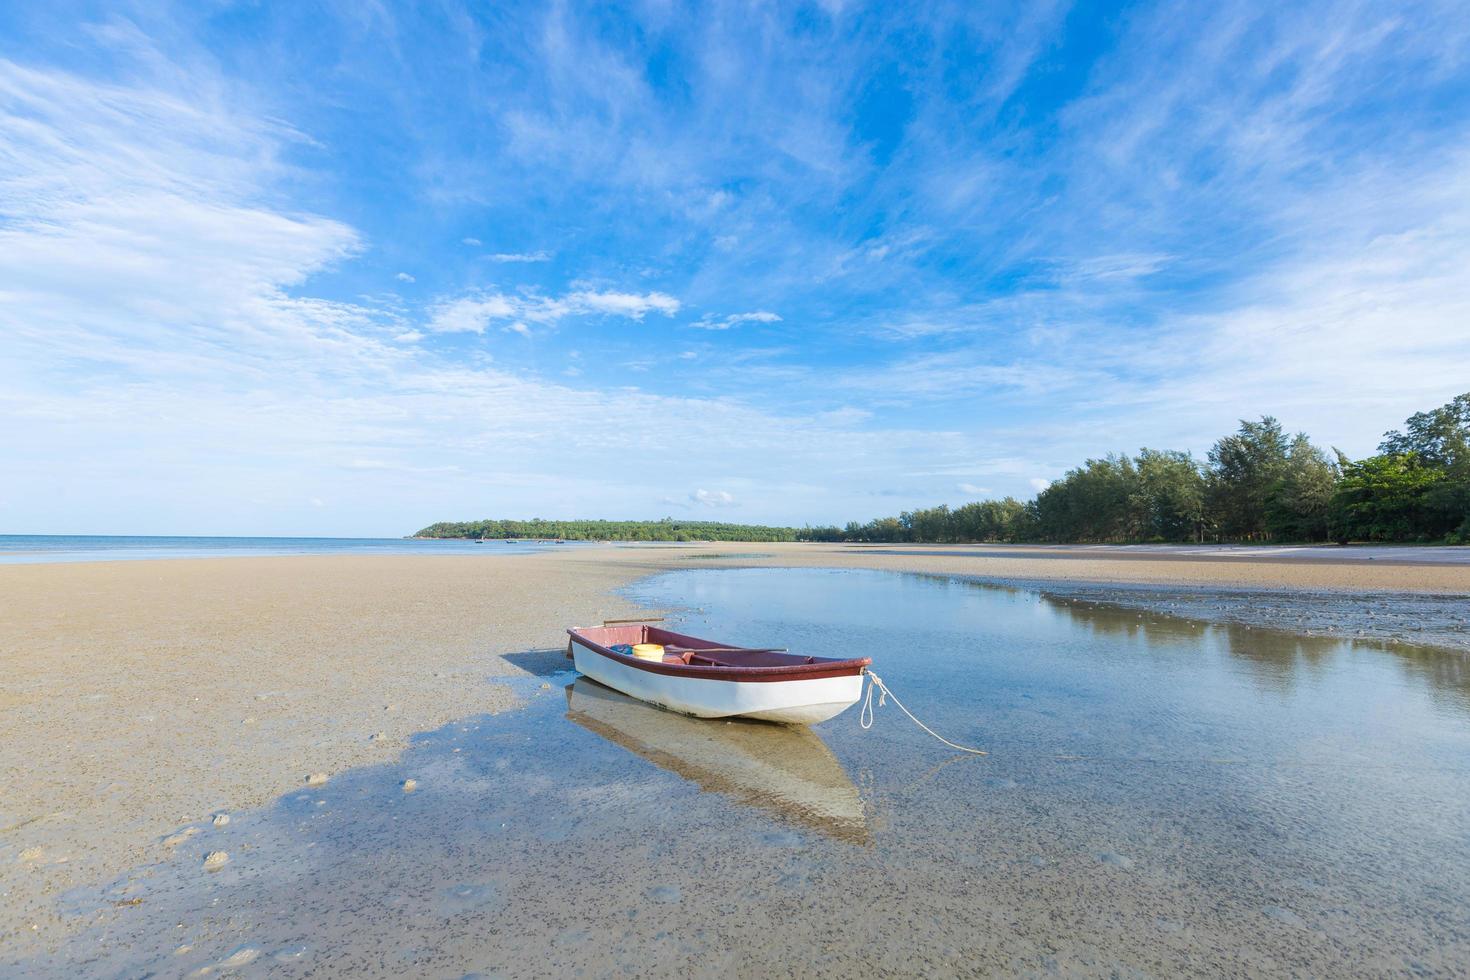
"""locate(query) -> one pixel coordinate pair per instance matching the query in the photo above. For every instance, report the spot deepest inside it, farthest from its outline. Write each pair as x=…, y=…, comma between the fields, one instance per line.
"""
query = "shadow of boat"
x=787, y=772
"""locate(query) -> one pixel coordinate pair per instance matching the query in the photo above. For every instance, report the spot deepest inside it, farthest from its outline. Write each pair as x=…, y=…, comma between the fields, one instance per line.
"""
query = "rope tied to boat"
x=865, y=716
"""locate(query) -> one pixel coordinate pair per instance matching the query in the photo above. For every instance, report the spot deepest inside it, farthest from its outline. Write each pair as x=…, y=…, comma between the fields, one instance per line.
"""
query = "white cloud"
x=712, y=498
x=473, y=242
x=130, y=217
x=1121, y=266
x=632, y=305
x=972, y=490
x=845, y=416
x=1039, y=483
x=711, y=322
x=405, y=277
x=1357, y=322
x=520, y=257
x=474, y=314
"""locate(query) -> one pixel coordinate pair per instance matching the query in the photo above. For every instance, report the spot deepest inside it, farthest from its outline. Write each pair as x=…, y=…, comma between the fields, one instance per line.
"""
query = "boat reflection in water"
x=787, y=771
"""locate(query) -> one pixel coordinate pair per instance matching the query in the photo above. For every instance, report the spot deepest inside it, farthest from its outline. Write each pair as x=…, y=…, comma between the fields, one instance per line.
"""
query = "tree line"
x=1257, y=484
x=667, y=529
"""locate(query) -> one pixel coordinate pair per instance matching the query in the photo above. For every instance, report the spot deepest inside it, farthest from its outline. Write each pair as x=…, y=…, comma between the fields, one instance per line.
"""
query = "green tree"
x=666, y=529
x=885, y=529
x=1168, y=502
x=1383, y=498
x=1297, y=503
x=1441, y=439
x=1090, y=503
x=931, y=524
x=988, y=520
x=1243, y=469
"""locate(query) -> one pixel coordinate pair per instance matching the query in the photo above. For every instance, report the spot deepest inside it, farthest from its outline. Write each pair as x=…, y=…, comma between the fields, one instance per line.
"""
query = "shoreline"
x=149, y=695
x=1394, y=621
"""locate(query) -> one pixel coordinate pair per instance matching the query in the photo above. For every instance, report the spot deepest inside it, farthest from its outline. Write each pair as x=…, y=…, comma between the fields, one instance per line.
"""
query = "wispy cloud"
x=129, y=215
x=631, y=305
x=476, y=314
x=520, y=257
x=712, y=498
x=712, y=322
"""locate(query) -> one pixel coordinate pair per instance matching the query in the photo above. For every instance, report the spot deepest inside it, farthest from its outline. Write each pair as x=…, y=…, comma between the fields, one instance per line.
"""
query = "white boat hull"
x=793, y=702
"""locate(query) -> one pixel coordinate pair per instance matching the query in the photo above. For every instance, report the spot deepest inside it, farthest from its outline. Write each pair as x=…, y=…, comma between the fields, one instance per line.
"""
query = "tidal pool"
x=1161, y=797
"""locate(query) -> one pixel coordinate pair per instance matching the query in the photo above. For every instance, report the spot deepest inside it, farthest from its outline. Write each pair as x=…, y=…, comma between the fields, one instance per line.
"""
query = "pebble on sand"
x=239, y=959
x=316, y=779
x=220, y=819
x=215, y=860
x=1115, y=859
x=409, y=785
x=174, y=840
x=664, y=893
x=1284, y=916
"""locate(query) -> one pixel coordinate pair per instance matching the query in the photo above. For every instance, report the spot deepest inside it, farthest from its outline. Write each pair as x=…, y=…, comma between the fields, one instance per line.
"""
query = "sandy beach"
x=143, y=698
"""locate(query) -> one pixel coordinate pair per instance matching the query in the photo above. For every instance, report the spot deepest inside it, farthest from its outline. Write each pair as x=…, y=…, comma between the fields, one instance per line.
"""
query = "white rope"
x=865, y=716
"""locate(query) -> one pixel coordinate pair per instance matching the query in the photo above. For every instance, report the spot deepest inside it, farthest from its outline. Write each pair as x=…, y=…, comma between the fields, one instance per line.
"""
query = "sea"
x=41, y=548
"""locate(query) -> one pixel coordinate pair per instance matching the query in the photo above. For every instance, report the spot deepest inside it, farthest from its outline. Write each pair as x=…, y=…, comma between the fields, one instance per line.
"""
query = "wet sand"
x=142, y=697
x=1418, y=570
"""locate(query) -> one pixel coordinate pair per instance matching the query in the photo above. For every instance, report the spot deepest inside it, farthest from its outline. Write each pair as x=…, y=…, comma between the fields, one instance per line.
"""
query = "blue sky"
x=352, y=268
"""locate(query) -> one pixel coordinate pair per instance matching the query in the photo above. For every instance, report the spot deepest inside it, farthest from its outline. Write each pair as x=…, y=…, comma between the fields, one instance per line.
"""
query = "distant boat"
x=708, y=679
x=788, y=772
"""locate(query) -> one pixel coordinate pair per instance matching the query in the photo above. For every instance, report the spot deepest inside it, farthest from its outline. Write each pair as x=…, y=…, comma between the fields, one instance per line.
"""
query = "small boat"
x=786, y=771
x=708, y=679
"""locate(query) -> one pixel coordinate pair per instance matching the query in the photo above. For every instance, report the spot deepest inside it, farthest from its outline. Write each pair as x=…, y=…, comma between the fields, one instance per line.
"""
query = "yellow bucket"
x=648, y=651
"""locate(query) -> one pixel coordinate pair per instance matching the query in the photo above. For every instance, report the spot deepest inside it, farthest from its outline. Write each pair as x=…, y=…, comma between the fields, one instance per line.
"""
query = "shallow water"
x=1400, y=619
x=1389, y=554
x=1162, y=797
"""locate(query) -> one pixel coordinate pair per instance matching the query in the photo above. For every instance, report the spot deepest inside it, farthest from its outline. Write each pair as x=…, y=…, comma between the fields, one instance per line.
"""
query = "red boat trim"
x=819, y=667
